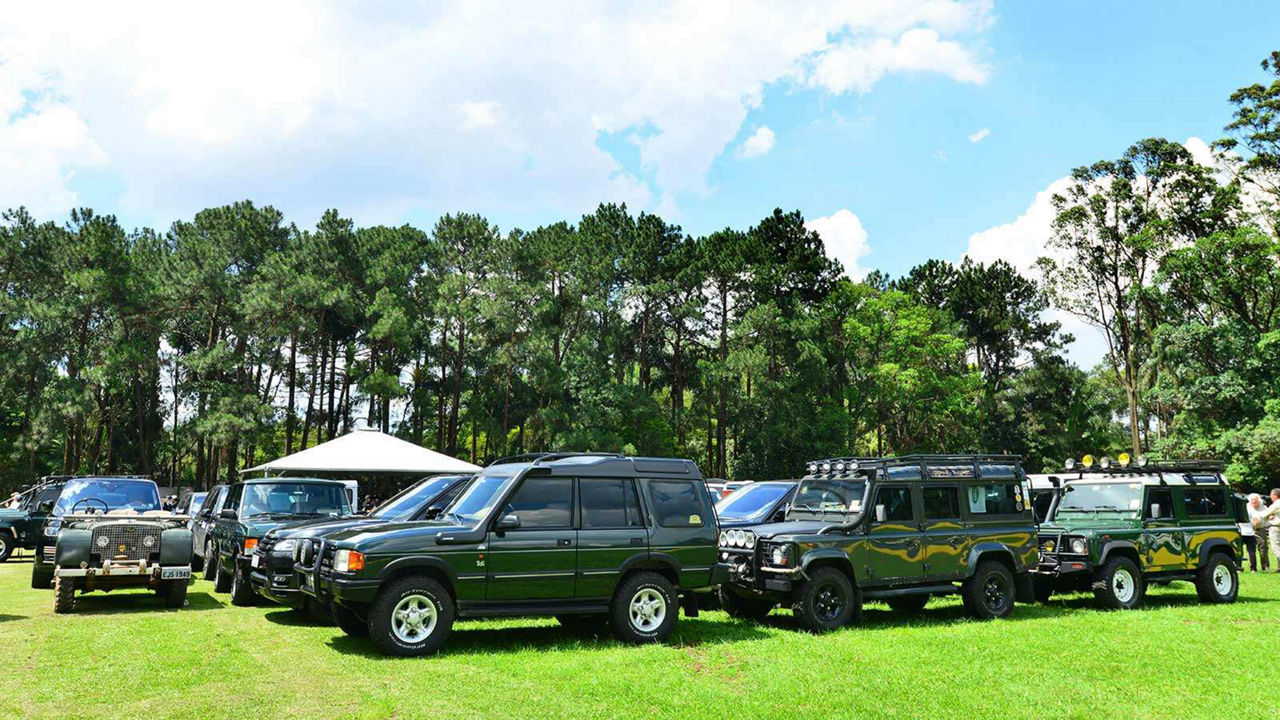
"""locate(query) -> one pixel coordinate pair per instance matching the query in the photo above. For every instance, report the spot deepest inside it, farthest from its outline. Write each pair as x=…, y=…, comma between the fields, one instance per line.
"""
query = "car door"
x=895, y=551
x=682, y=526
x=1205, y=514
x=536, y=560
x=1163, y=545
x=946, y=544
x=611, y=531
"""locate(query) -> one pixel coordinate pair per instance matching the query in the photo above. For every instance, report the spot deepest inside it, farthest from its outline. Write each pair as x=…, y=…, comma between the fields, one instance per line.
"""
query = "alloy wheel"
x=648, y=610
x=414, y=618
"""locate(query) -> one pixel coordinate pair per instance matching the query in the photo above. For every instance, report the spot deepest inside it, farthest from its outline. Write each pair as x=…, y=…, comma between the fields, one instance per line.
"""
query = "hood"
x=396, y=536
x=8, y=514
x=258, y=525
x=793, y=527
x=315, y=528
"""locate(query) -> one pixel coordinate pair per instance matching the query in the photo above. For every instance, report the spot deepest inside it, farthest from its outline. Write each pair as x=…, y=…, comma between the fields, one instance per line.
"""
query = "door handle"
x=565, y=542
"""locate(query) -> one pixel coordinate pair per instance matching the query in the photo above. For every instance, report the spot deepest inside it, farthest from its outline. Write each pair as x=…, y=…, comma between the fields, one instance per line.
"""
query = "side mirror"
x=782, y=511
x=509, y=522
x=227, y=514
x=45, y=507
x=1155, y=510
x=434, y=513
x=881, y=514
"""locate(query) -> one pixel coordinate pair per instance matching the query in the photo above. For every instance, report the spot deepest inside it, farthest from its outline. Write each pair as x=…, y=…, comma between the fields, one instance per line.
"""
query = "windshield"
x=751, y=502
x=474, y=504
x=830, y=495
x=197, y=499
x=404, y=505
x=48, y=495
x=294, y=499
x=1105, y=497
x=100, y=495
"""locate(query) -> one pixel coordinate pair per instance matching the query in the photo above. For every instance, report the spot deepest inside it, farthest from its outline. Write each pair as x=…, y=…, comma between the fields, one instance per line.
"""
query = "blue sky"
x=904, y=129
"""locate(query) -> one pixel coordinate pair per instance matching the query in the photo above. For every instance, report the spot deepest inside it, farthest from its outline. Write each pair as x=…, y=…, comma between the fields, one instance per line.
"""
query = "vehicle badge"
x=480, y=560
x=122, y=547
x=695, y=519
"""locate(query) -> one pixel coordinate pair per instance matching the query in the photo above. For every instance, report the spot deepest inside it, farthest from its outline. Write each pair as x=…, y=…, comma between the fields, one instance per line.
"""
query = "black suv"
x=22, y=527
x=588, y=538
x=272, y=561
x=250, y=509
x=897, y=529
x=202, y=525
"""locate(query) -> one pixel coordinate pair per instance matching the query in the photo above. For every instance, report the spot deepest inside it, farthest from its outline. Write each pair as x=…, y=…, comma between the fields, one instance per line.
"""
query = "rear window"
x=994, y=499
x=1201, y=502
x=609, y=503
x=677, y=504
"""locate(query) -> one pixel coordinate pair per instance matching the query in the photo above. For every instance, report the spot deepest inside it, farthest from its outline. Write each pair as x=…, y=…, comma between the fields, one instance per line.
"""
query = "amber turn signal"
x=355, y=561
x=250, y=544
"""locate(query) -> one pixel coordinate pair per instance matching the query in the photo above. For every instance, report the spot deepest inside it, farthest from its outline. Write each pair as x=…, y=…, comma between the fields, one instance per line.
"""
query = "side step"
x=945, y=589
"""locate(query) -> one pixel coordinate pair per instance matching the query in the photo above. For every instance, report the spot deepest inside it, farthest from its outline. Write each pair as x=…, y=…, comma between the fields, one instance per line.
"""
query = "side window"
x=543, y=502
x=1163, y=498
x=609, y=503
x=994, y=499
x=677, y=503
x=941, y=503
x=233, y=498
x=896, y=502
x=1200, y=502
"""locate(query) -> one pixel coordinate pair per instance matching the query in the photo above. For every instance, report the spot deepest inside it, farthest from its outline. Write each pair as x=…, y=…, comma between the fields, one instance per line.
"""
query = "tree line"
x=237, y=336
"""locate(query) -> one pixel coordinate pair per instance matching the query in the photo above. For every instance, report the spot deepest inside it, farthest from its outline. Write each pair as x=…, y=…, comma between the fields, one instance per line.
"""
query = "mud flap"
x=1024, y=588
x=689, y=602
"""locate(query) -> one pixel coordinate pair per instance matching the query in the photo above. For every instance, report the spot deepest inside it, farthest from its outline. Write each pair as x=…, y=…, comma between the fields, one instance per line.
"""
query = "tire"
x=432, y=606
x=6, y=546
x=743, y=608
x=1217, y=581
x=591, y=624
x=242, y=593
x=349, y=621
x=1042, y=587
x=40, y=580
x=221, y=581
x=1119, y=584
x=64, y=595
x=173, y=593
x=210, y=561
x=908, y=603
x=827, y=600
x=989, y=594
x=644, y=609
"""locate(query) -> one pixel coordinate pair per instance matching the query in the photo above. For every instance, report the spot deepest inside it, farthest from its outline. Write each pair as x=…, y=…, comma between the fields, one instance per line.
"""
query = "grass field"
x=123, y=656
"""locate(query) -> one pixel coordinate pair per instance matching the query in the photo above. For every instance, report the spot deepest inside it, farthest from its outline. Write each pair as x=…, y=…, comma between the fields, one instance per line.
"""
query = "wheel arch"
x=829, y=557
x=999, y=552
x=661, y=563
x=432, y=567
x=1214, y=545
x=1120, y=548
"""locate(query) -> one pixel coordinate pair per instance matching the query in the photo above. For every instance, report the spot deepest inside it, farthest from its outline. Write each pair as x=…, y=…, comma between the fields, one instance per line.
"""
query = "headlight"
x=1079, y=546
x=738, y=538
x=51, y=530
x=779, y=555
x=348, y=561
x=102, y=541
x=285, y=547
x=724, y=538
x=748, y=539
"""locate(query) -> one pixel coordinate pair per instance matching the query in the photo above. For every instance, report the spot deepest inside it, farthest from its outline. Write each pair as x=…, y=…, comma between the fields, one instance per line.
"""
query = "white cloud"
x=980, y=135
x=845, y=240
x=760, y=143
x=858, y=63
x=478, y=114
x=373, y=109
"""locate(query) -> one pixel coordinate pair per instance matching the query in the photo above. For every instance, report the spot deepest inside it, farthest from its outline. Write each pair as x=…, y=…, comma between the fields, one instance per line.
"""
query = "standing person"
x=1258, y=529
x=1272, y=518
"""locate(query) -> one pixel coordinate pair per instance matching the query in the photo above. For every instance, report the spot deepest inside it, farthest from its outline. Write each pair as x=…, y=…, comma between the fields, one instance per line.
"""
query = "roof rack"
x=845, y=466
x=1164, y=466
x=538, y=458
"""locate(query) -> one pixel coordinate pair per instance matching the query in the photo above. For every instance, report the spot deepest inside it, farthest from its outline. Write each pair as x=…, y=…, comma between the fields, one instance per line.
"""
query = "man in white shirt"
x=1254, y=535
x=1270, y=519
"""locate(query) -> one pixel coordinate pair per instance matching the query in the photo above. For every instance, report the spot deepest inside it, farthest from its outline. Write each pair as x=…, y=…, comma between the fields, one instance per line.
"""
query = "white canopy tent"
x=367, y=452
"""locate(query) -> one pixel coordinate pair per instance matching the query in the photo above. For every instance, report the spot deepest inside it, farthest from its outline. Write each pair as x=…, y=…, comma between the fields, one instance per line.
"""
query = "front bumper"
x=276, y=586
x=1060, y=565
x=131, y=573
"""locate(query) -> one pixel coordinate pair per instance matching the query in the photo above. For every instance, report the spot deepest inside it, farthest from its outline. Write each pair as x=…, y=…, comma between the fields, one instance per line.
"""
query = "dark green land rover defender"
x=1113, y=530
x=592, y=539
x=898, y=529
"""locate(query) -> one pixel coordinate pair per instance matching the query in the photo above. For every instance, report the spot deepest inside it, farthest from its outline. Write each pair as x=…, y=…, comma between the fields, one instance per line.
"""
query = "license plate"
x=255, y=560
x=175, y=573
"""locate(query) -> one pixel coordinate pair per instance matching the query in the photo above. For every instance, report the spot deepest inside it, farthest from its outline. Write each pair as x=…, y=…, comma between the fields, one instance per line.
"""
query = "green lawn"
x=122, y=655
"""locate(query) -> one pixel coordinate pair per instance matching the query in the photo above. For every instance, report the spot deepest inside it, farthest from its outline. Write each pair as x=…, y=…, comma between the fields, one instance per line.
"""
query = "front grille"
x=50, y=552
x=125, y=541
x=265, y=545
x=326, y=559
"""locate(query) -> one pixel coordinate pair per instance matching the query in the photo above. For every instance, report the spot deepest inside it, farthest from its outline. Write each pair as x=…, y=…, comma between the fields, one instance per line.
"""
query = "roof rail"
x=537, y=458
x=1169, y=466
x=846, y=465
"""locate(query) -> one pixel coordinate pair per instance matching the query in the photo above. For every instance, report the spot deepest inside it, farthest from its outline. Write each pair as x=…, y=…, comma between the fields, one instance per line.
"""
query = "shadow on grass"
x=7, y=618
x=550, y=638
x=138, y=601
x=297, y=617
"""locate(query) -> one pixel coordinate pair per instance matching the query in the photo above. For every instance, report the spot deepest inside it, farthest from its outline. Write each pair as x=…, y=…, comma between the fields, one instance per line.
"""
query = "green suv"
x=897, y=529
x=592, y=539
x=1114, y=530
